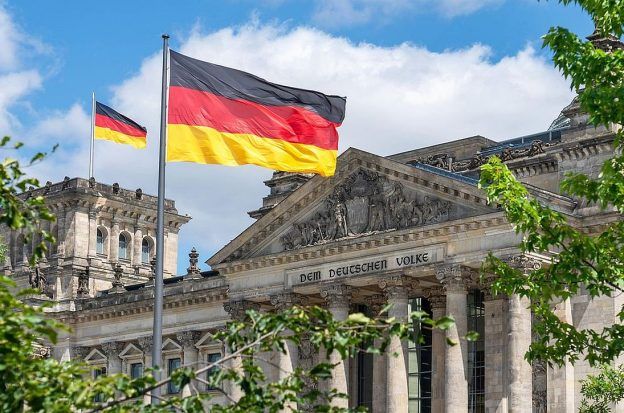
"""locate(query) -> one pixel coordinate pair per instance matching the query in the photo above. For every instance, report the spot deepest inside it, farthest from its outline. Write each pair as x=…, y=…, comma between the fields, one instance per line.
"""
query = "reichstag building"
x=410, y=229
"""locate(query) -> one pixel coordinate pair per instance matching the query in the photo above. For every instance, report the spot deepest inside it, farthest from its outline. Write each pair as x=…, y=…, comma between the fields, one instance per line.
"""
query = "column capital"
x=286, y=300
x=376, y=303
x=397, y=286
x=112, y=348
x=146, y=344
x=336, y=295
x=452, y=278
x=188, y=338
x=523, y=262
x=436, y=297
x=40, y=351
x=486, y=284
x=238, y=309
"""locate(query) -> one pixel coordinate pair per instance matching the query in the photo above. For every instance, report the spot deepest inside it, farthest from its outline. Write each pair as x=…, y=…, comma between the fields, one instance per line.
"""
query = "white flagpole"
x=92, y=146
x=160, y=233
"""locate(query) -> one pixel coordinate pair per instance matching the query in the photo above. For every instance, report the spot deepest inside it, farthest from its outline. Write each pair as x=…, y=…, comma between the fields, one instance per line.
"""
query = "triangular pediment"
x=130, y=351
x=95, y=356
x=368, y=194
x=207, y=340
x=171, y=346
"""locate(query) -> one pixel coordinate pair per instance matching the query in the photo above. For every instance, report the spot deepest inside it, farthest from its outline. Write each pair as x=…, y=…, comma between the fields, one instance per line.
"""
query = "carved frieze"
x=366, y=203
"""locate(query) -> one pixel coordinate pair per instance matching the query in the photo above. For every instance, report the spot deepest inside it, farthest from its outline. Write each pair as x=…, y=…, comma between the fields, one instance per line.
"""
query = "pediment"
x=95, y=356
x=130, y=351
x=368, y=195
x=171, y=346
x=207, y=340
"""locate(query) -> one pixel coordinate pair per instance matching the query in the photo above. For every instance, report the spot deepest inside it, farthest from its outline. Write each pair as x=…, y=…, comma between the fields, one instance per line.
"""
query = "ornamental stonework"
x=366, y=203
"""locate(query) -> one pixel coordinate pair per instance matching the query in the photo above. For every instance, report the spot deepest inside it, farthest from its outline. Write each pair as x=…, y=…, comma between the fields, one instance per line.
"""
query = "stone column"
x=520, y=387
x=376, y=303
x=138, y=246
x=455, y=357
x=237, y=311
x=338, y=297
x=112, y=350
x=397, y=396
x=495, y=308
x=561, y=380
x=437, y=301
x=113, y=242
x=190, y=354
x=92, y=231
x=286, y=362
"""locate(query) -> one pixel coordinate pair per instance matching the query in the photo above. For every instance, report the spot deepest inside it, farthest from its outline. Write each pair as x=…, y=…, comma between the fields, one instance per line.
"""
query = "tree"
x=594, y=262
x=47, y=385
x=30, y=382
x=602, y=390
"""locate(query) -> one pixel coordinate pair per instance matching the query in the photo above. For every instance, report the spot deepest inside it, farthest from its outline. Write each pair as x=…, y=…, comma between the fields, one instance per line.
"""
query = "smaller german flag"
x=111, y=125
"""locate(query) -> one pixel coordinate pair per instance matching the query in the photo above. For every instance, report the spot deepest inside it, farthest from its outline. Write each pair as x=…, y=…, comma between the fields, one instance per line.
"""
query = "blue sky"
x=453, y=68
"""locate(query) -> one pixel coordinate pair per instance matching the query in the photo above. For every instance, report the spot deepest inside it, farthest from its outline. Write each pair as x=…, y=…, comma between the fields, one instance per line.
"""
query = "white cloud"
x=333, y=13
x=13, y=87
x=11, y=38
x=399, y=98
x=16, y=81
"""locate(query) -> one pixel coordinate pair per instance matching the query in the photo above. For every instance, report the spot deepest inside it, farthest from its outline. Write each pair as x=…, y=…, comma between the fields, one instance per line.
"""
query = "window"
x=97, y=372
x=419, y=361
x=123, y=247
x=212, y=358
x=173, y=365
x=136, y=370
x=145, y=251
x=99, y=244
x=476, y=353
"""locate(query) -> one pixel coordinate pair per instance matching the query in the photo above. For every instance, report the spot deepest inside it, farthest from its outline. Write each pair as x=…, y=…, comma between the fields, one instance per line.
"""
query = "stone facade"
x=92, y=220
x=411, y=229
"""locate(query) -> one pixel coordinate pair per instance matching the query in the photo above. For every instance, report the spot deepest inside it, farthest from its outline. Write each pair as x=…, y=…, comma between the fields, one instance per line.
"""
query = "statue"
x=83, y=283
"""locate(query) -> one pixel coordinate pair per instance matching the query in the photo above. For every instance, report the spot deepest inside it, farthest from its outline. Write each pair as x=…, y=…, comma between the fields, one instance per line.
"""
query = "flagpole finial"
x=165, y=36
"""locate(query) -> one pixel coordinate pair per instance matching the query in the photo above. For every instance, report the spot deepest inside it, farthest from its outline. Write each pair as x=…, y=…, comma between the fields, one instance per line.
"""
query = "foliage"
x=601, y=391
x=25, y=214
x=48, y=385
x=583, y=260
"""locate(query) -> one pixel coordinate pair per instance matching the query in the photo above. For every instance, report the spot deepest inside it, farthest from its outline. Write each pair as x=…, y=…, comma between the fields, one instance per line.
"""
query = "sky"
x=415, y=73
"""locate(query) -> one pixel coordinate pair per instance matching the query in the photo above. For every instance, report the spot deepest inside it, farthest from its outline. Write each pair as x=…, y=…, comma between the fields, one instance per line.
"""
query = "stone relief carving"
x=366, y=203
x=38, y=280
x=83, y=283
x=444, y=161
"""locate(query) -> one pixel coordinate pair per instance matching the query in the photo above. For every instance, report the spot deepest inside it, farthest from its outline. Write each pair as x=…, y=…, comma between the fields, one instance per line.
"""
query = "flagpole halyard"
x=92, y=145
x=160, y=233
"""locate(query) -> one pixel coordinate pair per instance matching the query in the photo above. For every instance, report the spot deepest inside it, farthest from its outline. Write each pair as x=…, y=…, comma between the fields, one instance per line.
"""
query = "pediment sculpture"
x=364, y=204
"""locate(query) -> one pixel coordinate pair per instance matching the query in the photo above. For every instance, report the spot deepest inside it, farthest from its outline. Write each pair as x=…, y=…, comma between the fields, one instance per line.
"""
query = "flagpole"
x=92, y=146
x=160, y=233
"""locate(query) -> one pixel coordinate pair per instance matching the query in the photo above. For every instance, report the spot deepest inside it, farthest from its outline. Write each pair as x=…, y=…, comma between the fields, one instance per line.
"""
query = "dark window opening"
x=419, y=361
x=476, y=353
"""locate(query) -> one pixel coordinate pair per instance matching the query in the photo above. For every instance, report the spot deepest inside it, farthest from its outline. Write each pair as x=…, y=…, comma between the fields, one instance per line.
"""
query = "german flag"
x=219, y=115
x=111, y=125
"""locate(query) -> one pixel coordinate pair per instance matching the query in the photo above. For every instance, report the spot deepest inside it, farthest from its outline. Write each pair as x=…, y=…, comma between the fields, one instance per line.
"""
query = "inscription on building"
x=362, y=266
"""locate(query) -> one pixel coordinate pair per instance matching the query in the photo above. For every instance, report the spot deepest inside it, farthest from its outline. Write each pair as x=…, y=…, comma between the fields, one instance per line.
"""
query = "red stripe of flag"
x=289, y=123
x=105, y=122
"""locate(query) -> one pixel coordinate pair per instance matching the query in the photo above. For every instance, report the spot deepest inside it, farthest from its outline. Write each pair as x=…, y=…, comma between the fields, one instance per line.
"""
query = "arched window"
x=146, y=249
x=99, y=244
x=123, y=247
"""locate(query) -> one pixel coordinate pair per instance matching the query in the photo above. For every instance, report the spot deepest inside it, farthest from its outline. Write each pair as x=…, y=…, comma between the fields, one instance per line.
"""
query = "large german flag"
x=113, y=126
x=219, y=115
